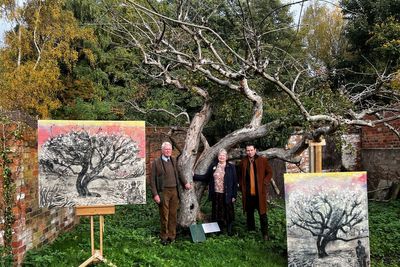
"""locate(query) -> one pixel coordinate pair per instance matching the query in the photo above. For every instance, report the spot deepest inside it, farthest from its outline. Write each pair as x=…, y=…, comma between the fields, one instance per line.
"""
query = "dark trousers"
x=223, y=213
x=168, y=208
x=251, y=206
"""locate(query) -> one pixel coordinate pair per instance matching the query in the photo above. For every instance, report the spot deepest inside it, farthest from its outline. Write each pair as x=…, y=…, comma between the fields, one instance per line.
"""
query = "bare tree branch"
x=180, y=48
x=136, y=107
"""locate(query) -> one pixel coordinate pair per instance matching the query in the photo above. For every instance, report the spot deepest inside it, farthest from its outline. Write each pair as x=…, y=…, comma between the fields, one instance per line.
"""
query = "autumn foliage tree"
x=44, y=44
x=322, y=31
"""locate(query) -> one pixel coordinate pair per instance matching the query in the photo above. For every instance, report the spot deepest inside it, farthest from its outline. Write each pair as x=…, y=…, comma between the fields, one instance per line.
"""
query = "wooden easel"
x=316, y=155
x=97, y=254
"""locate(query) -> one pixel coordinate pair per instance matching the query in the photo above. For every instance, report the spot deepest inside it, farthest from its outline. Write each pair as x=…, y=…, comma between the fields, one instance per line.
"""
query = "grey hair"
x=166, y=144
x=223, y=150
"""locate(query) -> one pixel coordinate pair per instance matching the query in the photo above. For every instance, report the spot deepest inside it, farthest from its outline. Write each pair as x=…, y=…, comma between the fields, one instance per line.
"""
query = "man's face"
x=250, y=151
x=167, y=151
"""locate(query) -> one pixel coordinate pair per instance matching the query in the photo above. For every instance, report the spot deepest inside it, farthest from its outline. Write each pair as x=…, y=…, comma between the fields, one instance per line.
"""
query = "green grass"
x=130, y=239
x=384, y=227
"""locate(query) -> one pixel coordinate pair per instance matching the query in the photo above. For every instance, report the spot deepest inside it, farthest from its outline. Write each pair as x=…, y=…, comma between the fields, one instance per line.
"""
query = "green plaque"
x=197, y=232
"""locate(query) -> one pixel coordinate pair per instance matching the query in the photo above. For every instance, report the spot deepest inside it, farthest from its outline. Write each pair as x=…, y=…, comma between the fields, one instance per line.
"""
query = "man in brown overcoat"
x=254, y=179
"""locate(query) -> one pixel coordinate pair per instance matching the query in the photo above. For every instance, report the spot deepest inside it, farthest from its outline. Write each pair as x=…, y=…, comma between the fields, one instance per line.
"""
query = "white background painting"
x=327, y=219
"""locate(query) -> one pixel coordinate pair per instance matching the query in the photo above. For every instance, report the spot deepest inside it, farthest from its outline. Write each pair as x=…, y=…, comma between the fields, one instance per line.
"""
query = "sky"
x=4, y=25
x=295, y=9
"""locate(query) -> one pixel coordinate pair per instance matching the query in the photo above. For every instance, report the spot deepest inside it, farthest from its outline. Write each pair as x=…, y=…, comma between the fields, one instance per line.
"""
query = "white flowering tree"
x=328, y=215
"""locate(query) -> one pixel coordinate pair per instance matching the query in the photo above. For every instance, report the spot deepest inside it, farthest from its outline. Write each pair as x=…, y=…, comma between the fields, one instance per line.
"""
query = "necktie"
x=252, y=179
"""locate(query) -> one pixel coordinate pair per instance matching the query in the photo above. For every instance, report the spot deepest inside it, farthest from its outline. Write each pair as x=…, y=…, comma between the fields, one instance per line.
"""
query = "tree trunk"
x=189, y=206
x=82, y=186
x=85, y=184
x=81, y=190
x=395, y=191
x=321, y=245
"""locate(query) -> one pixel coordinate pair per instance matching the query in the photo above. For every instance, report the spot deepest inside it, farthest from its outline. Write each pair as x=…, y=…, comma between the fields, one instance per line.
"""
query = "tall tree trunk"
x=80, y=180
x=321, y=245
x=189, y=205
x=81, y=190
x=82, y=184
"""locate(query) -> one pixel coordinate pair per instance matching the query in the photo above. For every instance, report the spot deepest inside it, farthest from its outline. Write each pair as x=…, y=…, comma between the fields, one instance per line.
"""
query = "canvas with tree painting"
x=327, y=219
x=88, y=163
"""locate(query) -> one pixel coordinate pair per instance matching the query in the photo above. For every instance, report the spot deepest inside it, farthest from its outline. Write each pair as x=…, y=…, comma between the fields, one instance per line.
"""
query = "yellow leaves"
x=395, y=83
x=49, y=33
x=32, y=90
x=7, y=7
x=89, y=55
x=45, y=38
x=59, y=33
x=322, y=30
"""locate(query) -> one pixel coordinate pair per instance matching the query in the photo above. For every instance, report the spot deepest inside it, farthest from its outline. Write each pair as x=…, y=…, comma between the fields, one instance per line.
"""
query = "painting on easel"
x=84, y=163
x=327, y=219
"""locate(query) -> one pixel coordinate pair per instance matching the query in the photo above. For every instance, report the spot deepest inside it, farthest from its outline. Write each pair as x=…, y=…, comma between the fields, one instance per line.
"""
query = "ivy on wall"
x=11, y=134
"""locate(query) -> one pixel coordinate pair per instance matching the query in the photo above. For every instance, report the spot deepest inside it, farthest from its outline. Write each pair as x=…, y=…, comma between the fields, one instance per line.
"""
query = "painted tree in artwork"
x=90, y=157
x=329, y=216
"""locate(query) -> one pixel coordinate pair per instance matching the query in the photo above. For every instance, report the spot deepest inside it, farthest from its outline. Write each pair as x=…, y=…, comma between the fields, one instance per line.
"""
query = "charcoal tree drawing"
x=326, y=217
x=93, y=163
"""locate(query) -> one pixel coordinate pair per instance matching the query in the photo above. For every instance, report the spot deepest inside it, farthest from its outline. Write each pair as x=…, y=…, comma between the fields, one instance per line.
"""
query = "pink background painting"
x=134, y=129
x=302, y=182
x=86, y=163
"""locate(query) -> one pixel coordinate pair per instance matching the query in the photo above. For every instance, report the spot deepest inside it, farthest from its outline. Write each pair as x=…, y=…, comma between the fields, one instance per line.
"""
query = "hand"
x=233, y=200
x=157, y=199
x=188, y=186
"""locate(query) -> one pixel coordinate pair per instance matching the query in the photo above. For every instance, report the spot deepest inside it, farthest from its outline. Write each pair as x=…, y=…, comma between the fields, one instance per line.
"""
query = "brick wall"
x=33, y=226
x=155, y=136
x=381, y=164
x=380, y=150
x=380, y=136
x=304, y=164
x=333, y=160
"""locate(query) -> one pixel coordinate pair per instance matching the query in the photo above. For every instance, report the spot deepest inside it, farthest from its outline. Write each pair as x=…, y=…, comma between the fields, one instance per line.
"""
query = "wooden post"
x=316, y=155
x=97, y=255
x=92, y=234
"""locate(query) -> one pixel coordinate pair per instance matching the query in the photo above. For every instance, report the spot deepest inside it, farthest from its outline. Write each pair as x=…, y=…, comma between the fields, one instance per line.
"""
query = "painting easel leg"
x=97, y=255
